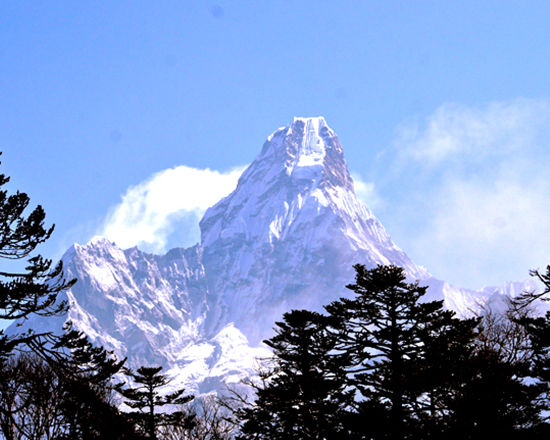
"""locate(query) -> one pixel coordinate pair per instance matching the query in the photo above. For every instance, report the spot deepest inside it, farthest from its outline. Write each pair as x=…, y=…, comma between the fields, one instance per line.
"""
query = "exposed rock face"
x=286, y=238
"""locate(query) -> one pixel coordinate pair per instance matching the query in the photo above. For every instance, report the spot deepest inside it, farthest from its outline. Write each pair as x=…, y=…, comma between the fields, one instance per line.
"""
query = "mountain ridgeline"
x=285, y=238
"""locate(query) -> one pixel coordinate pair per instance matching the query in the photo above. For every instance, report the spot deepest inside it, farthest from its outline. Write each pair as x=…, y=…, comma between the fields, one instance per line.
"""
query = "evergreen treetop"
x=391, y=338
x=34, y=289
x=146, y=399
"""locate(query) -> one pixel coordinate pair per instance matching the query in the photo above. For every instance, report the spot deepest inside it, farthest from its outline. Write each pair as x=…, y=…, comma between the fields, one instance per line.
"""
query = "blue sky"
x=443, y=109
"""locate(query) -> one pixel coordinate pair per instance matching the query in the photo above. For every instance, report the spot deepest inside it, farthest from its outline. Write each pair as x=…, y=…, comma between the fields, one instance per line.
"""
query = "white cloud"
x=471, y=191
x=457, y=132
x=165, y=209
x=484, y=232
x=366, y=192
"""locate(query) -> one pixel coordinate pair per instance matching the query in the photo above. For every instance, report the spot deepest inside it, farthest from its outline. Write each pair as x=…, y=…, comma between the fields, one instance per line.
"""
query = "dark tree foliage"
x=52, y=386
x=384, y=365
x=86, y=373
x=537, y=329
x=33, y=290
x=506, y=371
x=528, y=298
x=303, y=396
x=440, y=367
x=393, y=340
x=146, y=398
x=43, y=400
x=494, y=400
x=29, y=399
x=90, y=413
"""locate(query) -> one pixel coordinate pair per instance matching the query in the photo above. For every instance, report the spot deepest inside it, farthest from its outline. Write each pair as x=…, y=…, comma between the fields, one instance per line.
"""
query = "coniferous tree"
x=303, y=395
x=529, y=297
x=86, y=373
x=146, y=398
x=393, y=339
x=504, y=388
x=525, y=344
x=34, y=289
x=440, y=368
x=81, y=372
x=418, y=371
x=494, y=399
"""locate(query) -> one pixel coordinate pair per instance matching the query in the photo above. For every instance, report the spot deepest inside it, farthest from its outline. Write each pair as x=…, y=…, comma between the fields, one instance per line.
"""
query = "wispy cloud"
x=473, y=186
x=366, y=192
x=165, y=209
x=458, y=132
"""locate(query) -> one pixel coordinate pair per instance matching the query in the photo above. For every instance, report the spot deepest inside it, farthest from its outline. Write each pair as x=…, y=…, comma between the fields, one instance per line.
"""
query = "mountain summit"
x=301, y=164
x=305, y=150
x=285, y=238
x=291, y=231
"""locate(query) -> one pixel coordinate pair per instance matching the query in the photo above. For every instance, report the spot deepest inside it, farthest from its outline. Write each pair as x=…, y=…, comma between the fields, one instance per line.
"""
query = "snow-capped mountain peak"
x=300, y=168
x=294, y=214
x=306, y=149
x=285, y=238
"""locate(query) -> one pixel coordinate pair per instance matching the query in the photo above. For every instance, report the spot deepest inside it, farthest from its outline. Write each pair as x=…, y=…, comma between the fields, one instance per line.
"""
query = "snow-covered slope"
x=290, y=233
x=286, y=238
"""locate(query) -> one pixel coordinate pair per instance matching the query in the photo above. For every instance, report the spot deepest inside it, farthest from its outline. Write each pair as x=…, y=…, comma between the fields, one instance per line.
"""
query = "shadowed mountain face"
x=286, y=238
